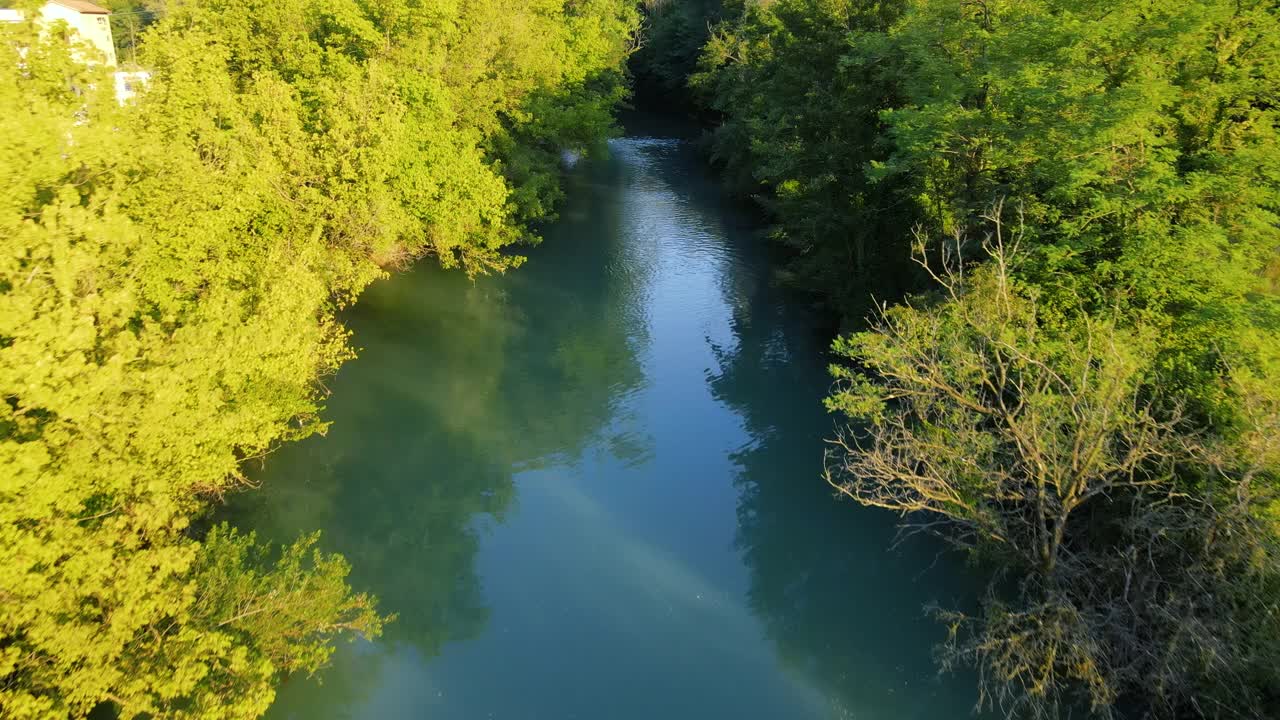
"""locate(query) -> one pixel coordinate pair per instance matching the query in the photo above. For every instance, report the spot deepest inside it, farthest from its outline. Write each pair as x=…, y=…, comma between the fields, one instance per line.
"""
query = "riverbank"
x=592, y=486
x=174, y=266
x=1070, y=367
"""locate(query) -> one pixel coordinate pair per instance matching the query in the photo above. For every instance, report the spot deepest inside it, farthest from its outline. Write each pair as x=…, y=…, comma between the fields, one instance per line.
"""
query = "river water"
x=590, y=488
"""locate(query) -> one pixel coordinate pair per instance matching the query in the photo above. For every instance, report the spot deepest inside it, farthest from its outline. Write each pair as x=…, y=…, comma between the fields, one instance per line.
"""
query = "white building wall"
x=91, y=28
x=129, y=84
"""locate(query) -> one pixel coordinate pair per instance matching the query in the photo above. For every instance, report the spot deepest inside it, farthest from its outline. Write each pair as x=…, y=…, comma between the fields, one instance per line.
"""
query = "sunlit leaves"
x=169, y=280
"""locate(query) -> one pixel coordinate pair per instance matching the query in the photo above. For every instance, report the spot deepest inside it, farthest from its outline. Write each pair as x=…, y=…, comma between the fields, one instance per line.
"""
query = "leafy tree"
x=801, y=85
x=1141, y=565
x=276, y=603
x=1118, y=130
x=168, y=287
x=671, y=39
x=1139, y=145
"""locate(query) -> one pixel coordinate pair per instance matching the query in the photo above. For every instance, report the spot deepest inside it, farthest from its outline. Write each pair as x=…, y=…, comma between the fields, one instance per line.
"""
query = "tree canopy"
x=171, y=272
x=1088, y=404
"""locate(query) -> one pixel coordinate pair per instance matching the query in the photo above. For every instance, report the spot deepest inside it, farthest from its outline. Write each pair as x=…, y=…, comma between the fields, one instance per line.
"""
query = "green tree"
x=168, y=287
x=800, y=85
x=1134, y=558
x=1138, y=144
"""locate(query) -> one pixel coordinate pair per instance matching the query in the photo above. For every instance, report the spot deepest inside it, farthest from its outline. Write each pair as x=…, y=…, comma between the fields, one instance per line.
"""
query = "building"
x=128, y=84
x=90, y=22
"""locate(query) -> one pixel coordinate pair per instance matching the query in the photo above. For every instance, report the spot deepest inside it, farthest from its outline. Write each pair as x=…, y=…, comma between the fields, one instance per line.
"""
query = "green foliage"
x=800, y=85
x=129, y=19
x=275, y=606
x=1139, y=566
x=168, y=289
x=1140, y=141
x=671, y=39
x=1135, y=148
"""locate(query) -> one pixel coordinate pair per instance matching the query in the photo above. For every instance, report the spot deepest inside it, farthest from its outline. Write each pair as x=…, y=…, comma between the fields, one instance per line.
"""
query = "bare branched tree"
x=1135, y=565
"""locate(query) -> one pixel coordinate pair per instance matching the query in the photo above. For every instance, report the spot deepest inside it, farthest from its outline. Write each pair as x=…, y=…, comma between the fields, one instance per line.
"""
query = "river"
x=590, y=488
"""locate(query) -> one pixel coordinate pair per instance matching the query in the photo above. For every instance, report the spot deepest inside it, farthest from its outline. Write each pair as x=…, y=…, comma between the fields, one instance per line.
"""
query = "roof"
x=83, y=6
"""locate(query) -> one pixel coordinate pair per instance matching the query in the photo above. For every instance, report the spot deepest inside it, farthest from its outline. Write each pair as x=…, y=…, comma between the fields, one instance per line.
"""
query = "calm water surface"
x=590, y=488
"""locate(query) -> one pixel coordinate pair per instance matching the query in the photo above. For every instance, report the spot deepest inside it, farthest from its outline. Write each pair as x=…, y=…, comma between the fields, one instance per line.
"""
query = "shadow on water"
x=840, y=602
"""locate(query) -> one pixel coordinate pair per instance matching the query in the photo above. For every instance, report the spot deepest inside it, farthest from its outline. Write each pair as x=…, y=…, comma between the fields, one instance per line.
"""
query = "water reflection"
x=589, y=488
x=840, y=607
x=459, y=385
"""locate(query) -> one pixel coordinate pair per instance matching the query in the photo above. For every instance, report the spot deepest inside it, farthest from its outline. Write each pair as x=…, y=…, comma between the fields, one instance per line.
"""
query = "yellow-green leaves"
x=170, y=271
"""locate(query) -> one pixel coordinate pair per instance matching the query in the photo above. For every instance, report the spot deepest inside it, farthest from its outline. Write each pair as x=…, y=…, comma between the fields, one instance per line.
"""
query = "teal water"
x=590, y=488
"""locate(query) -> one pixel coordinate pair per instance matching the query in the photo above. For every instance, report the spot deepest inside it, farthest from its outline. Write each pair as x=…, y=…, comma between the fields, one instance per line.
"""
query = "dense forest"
x=171, y=275
x=1051, y=230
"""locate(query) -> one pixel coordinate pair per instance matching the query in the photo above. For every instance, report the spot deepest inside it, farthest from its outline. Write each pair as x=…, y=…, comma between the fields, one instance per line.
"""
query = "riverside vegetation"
x=1071, y=207
x=168, y=289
